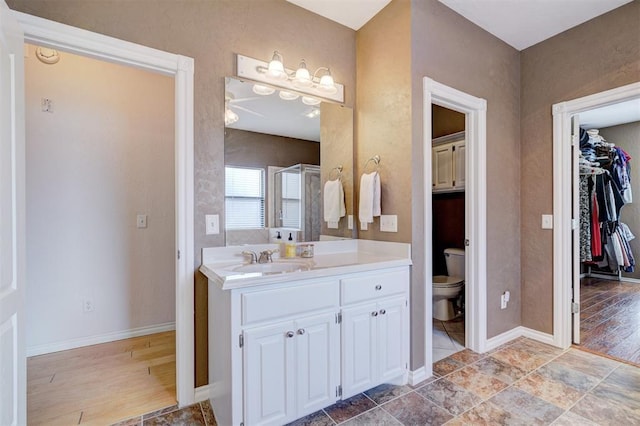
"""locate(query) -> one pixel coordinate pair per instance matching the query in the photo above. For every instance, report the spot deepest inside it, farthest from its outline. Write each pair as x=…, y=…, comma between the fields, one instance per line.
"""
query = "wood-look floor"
x=102, y=384
x=610, y=318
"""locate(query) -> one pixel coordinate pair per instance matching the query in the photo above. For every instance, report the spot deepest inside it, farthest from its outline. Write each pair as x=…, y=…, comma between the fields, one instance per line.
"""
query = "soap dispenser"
x=290, y=247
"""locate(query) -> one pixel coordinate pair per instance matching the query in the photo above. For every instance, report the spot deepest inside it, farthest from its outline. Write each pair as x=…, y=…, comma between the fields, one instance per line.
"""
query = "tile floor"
x=448, y=338
x=523, y=382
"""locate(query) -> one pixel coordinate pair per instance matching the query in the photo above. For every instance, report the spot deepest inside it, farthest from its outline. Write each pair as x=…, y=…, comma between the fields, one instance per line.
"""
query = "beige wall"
x=453, y=51
x=103, y=156
x=598, y=55
x=627, y=137
x=383, y=115
x=211, y=32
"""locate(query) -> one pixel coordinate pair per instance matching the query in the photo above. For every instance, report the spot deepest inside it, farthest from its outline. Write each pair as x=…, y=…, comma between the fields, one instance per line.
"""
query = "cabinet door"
x=269, y=378
x=459, y=175
x=391, y=335
x=442, y=166
x=317, y=343
x=359, y=352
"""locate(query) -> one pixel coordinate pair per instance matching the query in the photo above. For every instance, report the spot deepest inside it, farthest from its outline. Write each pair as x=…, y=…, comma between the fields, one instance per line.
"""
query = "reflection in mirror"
x=278, y=155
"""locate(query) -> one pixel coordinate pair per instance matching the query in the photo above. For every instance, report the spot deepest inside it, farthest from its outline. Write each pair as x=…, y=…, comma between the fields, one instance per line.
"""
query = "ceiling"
x=611, y=115
x=520, y=23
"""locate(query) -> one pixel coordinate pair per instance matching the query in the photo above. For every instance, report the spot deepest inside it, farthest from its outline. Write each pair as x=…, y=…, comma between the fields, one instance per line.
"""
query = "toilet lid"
x=446, y=281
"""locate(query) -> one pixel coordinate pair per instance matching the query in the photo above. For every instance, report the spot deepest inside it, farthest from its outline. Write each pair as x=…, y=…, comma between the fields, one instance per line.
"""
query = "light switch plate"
x=547, y=221
x=350, y=221
x=212, y=224
x=389, y=223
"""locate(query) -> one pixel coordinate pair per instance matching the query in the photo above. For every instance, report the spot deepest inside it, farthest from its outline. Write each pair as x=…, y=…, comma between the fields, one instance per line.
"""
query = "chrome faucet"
x=254, y=256
x=266, y=256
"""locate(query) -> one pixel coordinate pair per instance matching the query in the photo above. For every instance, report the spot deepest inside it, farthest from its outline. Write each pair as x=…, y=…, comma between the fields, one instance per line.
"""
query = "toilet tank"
x=455, y=262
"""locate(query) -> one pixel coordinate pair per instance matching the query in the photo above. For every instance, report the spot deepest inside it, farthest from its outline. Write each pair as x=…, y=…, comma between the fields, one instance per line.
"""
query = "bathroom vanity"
x=291, y=337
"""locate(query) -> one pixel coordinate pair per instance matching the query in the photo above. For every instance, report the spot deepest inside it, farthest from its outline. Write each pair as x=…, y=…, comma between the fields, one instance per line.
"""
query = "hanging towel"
x=333, y=201
x=369, y=197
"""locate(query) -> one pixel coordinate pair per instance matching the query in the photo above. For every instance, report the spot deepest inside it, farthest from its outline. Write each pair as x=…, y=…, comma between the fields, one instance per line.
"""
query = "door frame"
x=475, y=110
x=86, y=43
x=562, y=201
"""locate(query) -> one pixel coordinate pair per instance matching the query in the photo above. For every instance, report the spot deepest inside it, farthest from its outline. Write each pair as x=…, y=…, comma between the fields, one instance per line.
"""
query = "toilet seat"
x=444, y=281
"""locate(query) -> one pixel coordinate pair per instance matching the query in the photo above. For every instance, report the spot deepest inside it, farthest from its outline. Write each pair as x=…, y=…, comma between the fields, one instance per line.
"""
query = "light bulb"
x=327, y=85
x=302, y=78
x=288, y=96
x=308, y=100
x=276, y=67
x=263, y=90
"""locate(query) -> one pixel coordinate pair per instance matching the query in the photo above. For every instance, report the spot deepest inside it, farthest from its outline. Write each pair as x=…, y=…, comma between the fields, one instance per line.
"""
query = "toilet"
x=448, y=288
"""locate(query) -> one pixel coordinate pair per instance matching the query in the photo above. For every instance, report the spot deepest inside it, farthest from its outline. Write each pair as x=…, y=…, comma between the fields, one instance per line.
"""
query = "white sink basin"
x=273, y=268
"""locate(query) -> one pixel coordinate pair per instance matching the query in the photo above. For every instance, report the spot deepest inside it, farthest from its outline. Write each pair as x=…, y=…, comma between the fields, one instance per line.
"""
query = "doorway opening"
x=474, y=111
x=448, y=213
x=596, y=294
x=65, y=38
x=100, y=237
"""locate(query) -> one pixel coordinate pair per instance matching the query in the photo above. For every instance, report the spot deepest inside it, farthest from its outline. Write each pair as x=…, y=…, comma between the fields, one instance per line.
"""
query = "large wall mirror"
x=280, y=150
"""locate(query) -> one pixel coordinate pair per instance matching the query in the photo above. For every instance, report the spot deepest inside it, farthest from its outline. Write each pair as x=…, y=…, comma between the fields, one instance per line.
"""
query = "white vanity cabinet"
x=448, y=166
x=375, y=330
x=283, y=348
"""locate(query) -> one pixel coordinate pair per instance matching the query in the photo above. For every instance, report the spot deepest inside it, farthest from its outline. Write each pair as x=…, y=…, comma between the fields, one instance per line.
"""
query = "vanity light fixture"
x=230, y=117
x=319, y=84
x=288, y=96
x=313, y=113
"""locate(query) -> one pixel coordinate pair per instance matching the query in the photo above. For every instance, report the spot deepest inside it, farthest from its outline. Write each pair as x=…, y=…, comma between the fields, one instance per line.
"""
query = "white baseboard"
x=520, y=331
x=537, y=335
x=102, y=338
x=417, y=376
x=503, y=338
x=203, y=393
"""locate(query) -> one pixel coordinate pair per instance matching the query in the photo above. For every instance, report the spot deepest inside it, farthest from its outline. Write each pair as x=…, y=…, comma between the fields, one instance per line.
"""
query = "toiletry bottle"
x=290, y=247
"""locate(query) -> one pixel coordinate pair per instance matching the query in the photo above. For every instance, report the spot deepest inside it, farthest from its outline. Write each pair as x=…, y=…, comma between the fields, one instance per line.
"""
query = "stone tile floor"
x=523, y=382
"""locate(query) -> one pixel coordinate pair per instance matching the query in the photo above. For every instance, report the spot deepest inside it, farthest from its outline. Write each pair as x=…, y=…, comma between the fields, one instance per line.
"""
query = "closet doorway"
x=475, y=215
x=603, y=278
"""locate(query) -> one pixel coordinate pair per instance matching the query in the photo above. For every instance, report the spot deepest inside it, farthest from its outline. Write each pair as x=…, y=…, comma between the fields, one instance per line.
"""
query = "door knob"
x=301, y=331
x=374, y=313
x=378, y=287
x=290, y=334
x=382, y=312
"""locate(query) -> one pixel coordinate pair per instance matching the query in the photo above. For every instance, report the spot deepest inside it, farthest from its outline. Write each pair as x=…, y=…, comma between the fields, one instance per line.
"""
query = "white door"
x=317, y=343
x=358, y=349
x=575, y=225
x=12, y=214
x=391, y=337
x=269, y=376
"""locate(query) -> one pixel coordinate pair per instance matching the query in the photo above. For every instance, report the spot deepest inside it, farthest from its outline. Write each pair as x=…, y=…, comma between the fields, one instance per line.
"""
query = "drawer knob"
x=378, y=287
x=290, y=334
x=301, y=331
x=374, y=313
x=382, y=312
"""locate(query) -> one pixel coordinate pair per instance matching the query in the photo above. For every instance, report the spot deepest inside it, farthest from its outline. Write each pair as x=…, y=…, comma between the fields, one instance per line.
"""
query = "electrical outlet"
x=389, y=223
x=364, y=226
x=350, y=221
x=87, y=305
x=504, y=299
x=141, y=221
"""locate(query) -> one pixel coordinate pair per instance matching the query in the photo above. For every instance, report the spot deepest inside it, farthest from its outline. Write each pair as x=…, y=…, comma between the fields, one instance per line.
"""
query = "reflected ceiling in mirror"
x=271, y=114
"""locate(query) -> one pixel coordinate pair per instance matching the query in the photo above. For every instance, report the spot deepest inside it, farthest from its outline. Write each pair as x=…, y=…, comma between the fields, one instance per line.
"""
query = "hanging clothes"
x=604, y=240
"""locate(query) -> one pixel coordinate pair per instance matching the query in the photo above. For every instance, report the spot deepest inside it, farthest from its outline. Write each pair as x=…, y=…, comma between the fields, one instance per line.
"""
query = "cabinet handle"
x=301, y=331
x=382, y=312
x=374, y=313
x=378, y=287
x=290, y=334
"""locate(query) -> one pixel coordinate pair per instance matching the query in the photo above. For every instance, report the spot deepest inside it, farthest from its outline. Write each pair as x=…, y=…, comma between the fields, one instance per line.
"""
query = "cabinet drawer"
x=299, y=298
x=372, y=286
